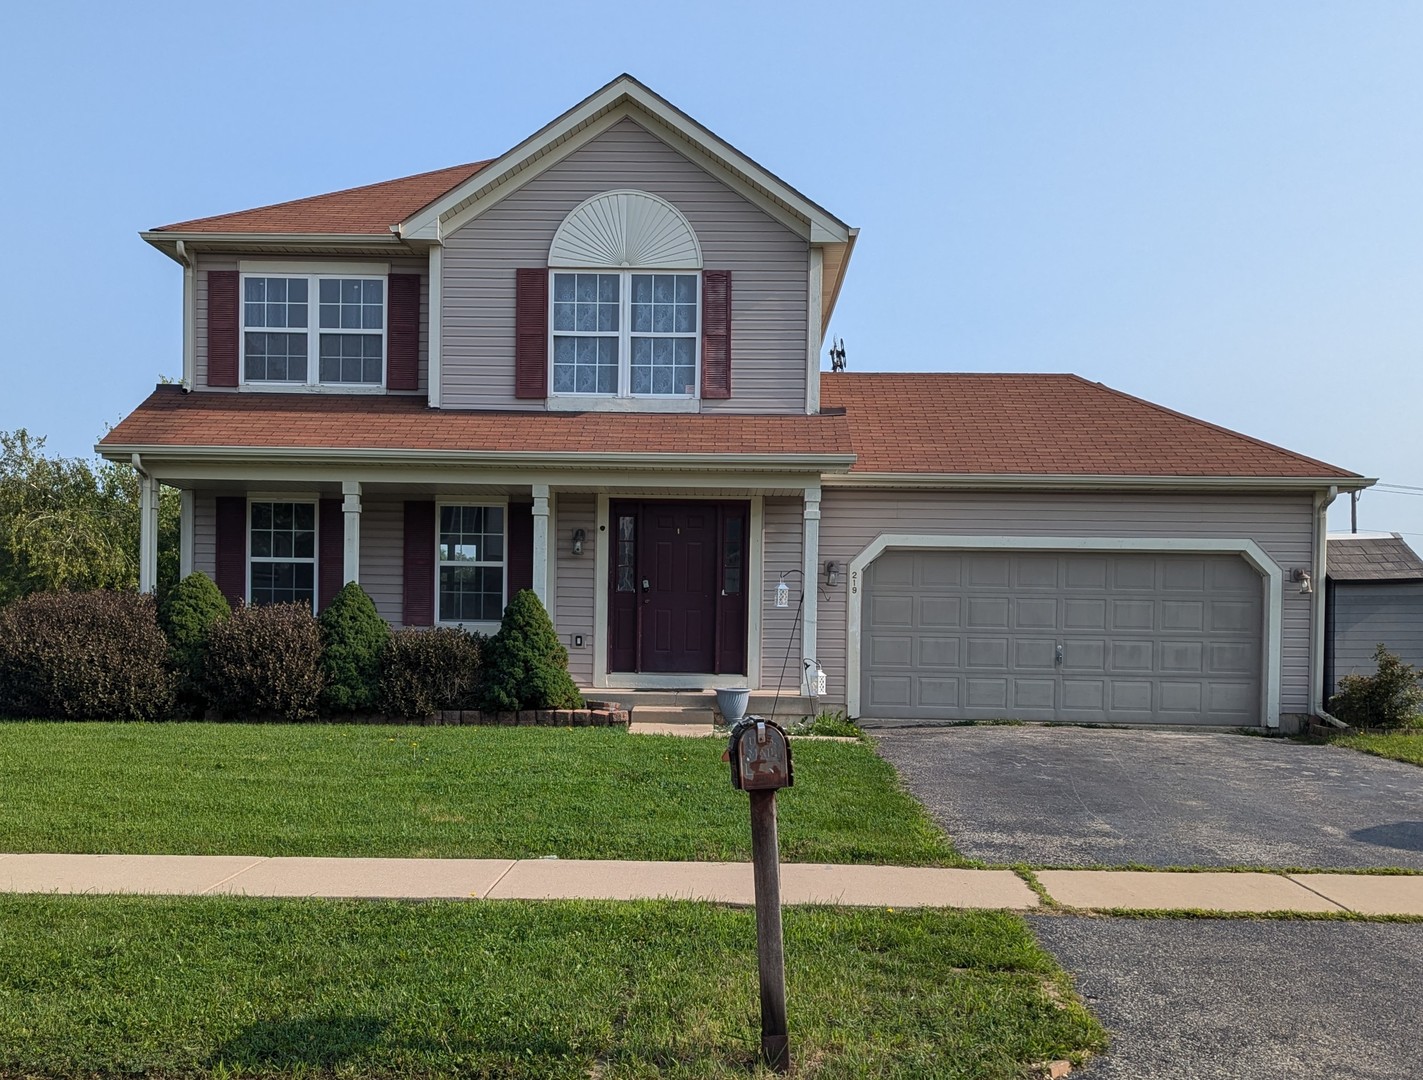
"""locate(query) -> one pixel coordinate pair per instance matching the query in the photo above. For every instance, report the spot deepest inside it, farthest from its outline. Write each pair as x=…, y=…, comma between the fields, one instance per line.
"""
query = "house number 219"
x=854, y=581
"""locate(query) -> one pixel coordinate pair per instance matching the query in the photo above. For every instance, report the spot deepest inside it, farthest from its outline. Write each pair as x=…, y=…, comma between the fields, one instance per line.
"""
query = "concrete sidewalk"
x=730, y=883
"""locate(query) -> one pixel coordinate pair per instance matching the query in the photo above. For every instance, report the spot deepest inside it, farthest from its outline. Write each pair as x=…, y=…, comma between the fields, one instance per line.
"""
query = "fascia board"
x=1037, y=481
x=166, y=242
x=468, y=458
x=509, y=167
x=834, y=297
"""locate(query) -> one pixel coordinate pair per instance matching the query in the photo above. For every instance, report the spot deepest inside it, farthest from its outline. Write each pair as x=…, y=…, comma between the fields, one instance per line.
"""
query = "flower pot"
x=733, y=703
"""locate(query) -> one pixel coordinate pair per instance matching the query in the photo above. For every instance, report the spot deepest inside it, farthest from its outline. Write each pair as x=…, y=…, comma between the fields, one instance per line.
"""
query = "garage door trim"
x=1249, y=550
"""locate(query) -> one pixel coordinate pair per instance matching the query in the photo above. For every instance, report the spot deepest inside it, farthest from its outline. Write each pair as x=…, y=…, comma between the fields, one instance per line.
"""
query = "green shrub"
x=353, y=635
x=525, y=665
x=1389, y=698
x=265, y=663
x=829, y=723
x=84, y=655
x=186, y=614
x=425, y=671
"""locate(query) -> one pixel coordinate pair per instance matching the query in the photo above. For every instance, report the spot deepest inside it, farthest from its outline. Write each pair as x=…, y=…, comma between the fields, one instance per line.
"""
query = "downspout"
x=1322, y=499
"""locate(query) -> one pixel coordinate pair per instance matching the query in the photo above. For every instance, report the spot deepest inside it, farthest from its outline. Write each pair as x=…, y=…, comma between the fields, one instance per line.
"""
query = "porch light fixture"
x=578, y=537
x=832, y=574
x=783, y=594
x=1306, y=581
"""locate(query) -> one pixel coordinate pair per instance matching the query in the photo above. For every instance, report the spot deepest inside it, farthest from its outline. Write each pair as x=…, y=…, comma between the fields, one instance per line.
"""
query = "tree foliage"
x=525, y=665
x=71, y=523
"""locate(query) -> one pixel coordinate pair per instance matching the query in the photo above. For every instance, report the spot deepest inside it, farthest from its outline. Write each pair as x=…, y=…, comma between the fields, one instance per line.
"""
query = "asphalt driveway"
x=1060, y=796
x=1244, y=999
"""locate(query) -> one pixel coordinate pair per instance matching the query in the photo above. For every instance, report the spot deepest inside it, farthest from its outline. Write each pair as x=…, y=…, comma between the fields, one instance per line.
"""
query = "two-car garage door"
x=1069, y=637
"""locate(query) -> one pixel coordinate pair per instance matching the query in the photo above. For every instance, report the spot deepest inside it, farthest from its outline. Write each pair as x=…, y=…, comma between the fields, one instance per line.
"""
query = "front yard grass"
x=238, y=987
x=436, y=792
x=1399, y=746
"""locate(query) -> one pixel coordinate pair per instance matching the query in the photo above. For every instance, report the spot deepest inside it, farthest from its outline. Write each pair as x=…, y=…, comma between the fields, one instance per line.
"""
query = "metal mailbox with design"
x=760, y=756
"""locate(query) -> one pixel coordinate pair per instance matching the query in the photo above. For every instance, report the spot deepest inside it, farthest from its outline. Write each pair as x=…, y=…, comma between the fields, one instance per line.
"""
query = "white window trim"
x=624, y=397
x=315, y=559
x=313, y=383
x=481, y=626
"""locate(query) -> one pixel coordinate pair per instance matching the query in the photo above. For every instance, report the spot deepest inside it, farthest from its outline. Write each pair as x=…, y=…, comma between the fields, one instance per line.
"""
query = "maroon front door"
x=677, y=602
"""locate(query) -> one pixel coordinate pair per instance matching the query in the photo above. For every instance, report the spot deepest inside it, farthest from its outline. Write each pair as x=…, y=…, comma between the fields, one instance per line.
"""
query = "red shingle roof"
x=1048, y=425
x=371, y=209
x=387, y=422
x=1039, y=424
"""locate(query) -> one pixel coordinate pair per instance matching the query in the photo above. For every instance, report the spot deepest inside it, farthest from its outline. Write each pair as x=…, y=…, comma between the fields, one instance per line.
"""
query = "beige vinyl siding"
x=383, y=557
x=205, y=534
x=1367, y=614
x=574, y=583
x=230, y=262
x=783, y=535
x=770, y=290
x=1281, y=525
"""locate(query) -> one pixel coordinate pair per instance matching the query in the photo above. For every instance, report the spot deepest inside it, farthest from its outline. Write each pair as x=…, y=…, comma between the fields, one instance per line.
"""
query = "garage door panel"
x=939, y=652
x=1035, y=654
x=1084, y=654
x=987, y=612
x=987, y=652
x=1143, y=638
x=886, y=651
x=940, y=611
x=983, y=693
x=1035, y=613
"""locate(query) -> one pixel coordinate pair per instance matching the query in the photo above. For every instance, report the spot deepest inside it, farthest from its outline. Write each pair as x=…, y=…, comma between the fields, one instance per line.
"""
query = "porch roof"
x=170, y=421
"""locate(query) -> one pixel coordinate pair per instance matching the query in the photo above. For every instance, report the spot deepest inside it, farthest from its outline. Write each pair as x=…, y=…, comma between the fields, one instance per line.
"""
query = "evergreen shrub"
x=525, y=665
x=353, y=637
x=186, y=614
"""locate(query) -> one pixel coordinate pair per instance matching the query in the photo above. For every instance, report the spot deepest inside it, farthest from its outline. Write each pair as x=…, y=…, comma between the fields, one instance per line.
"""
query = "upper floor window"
x=343, y=346
x=626, y=333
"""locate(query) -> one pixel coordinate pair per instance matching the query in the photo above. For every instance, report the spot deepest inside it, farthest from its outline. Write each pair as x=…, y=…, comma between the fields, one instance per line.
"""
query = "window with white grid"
x=343, y=346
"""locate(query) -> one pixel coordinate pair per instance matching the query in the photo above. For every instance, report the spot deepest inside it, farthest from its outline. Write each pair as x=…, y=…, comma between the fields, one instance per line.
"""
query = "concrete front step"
x=763, y=702
x=672, y=714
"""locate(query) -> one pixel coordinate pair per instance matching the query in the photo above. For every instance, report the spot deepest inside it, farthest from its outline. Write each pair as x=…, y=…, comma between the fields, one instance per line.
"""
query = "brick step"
x=672, y=714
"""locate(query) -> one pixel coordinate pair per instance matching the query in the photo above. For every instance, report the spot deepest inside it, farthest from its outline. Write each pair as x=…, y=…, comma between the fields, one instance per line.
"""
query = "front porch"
x=654, y=583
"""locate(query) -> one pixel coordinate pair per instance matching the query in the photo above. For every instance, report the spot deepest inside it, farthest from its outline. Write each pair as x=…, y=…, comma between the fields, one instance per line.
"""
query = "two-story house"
x=591, y=367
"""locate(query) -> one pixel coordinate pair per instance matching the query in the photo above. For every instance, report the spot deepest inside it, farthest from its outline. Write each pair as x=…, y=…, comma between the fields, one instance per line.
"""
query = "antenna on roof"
x=837, y=354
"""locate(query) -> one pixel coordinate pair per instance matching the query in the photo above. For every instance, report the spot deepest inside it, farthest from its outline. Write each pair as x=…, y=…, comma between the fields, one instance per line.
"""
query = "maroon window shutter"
x=521, y=547
x=531, y=333
x=331, y=555
x=231, y=569
x=402, y=359
x=419, y=564
x=716, y=333
x=222, y=327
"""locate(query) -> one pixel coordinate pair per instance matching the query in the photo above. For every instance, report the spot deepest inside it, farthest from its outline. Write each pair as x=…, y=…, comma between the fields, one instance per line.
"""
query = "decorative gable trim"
x=626, y=229
x=622, y=98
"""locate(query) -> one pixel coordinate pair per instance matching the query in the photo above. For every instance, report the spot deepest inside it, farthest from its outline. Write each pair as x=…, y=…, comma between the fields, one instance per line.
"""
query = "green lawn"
x=1398, y=746
x=471, y=792
x=234, y=987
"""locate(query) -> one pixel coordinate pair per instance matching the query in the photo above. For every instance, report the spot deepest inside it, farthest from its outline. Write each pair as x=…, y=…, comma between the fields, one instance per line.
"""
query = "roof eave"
x=1086, y=482
x=166, y=241
x=374, y=456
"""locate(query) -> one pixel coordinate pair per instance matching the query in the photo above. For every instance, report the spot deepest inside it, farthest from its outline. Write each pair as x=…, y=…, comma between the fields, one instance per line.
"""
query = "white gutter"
x=190, y=320
x=1322, y=499
x=1086, y=482
x=489, y=458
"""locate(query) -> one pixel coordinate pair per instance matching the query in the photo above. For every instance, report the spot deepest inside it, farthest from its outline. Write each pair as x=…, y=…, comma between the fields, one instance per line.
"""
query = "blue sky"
x=1217, y=206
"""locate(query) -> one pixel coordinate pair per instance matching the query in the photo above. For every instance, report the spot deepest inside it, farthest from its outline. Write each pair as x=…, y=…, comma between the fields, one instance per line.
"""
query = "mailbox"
x=760, y=755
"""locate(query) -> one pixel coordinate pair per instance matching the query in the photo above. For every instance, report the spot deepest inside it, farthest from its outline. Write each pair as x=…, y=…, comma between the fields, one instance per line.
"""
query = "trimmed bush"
x=84, y=656
x=425, y=671
x=353, y=636
x=265, y=662
x=1389, y=698
x=525, y=665
x=186, y=615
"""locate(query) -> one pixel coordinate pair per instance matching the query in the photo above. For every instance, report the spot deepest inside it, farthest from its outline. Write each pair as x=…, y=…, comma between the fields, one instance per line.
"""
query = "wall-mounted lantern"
x=832, y=573
x=578, y=537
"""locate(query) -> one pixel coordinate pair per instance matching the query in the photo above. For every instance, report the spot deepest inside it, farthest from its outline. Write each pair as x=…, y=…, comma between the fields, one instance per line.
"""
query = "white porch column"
x=351, y=509
x=147, y=533
x=541, y=543
x=810, y=579
x=187, y=518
